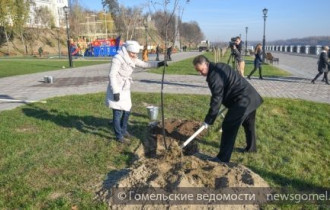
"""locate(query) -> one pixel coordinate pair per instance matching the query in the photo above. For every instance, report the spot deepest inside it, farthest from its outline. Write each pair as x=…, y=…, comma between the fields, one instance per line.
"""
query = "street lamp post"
x=66, y=11
x=264, y=38
x=246, y=31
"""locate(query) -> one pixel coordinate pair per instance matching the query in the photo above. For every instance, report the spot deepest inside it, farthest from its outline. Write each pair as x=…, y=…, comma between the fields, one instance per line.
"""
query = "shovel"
x=199, y=131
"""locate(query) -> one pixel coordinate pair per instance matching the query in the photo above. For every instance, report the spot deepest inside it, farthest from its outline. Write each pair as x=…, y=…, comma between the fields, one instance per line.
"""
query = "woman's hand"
x=116, y=97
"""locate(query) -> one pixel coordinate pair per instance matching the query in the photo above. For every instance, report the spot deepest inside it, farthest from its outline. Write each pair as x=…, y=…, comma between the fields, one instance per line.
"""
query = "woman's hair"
x=258, y=49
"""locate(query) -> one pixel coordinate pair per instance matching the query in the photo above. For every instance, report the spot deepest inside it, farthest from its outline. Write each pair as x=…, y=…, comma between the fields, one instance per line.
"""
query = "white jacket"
x=120, y=79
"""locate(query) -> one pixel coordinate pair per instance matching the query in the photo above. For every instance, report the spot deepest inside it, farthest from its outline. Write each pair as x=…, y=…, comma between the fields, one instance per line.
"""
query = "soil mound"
x=171, y=170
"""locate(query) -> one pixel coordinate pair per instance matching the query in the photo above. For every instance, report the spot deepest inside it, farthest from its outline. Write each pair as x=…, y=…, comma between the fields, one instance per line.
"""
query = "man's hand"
x=206, y=125
x=162, y=63
x=116, y=97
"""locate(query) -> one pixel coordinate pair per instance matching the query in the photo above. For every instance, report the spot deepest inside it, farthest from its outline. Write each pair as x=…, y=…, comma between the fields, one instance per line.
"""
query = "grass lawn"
x=185, y=67
x=57, y=155
x=12, y=67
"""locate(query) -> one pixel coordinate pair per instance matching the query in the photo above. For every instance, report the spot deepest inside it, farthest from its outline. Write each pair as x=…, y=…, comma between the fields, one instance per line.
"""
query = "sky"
x=222, y=19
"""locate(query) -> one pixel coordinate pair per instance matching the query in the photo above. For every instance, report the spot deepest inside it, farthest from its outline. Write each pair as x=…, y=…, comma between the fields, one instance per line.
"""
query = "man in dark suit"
x=241, y=99
x=323, y=65
x=157, y=52
x=169, y=53
x=237, y=51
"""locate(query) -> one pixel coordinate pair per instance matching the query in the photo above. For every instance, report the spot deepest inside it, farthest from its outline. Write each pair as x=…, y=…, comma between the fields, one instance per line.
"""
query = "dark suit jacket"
x=231, y=89
x=323, y=62
x=238, y=52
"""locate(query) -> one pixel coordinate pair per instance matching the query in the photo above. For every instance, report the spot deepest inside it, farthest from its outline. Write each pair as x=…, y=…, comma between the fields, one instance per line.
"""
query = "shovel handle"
x=200, y=130
x=193, y=136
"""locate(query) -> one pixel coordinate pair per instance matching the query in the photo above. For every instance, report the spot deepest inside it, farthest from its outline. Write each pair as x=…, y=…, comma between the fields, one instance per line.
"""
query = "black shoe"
x=261, y=78
x=327, y=83
x=249, y=150
x=214, y=159
x=313, y=81
x=249, y=77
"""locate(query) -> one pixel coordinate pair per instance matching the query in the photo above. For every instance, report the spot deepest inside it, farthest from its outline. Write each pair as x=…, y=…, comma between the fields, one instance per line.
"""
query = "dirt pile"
x=172, y=170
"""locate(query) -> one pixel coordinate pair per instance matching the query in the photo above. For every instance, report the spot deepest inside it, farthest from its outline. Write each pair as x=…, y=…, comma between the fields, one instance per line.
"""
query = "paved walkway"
x=298, y=65
x=94, y=79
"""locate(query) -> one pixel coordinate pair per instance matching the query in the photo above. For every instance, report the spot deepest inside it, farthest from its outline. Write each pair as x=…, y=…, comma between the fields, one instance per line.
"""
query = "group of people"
x=322, y=64
x=238, y=58
x=158, y=51
x=228, y=87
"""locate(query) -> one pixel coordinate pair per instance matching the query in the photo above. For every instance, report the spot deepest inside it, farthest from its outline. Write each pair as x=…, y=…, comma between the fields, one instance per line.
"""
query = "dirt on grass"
x=158, y=169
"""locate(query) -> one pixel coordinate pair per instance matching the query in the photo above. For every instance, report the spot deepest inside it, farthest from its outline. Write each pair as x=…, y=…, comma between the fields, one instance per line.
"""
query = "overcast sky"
x=222, y=19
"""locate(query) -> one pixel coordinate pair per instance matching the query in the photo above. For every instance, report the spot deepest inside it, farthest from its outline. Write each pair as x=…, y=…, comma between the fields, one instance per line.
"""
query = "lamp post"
x=66, y=11
x=246, y=31
x=264, y=38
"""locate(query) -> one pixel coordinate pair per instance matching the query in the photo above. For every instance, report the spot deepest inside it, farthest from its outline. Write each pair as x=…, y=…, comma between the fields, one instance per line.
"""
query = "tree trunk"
x=23, y=42
x=127, y=34
x=7, y=39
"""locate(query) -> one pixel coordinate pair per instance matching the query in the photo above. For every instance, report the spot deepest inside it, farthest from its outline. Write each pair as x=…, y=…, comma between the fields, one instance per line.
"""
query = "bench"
x=271, y=58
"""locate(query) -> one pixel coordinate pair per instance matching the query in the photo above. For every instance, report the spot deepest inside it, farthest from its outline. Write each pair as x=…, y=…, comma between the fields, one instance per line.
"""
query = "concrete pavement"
x=298, y=65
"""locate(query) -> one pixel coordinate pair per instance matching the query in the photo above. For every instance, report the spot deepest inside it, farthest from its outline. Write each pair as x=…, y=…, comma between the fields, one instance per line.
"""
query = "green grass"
x=13, y=67
x=185, y=67
x=268, y=70
x=57, y=155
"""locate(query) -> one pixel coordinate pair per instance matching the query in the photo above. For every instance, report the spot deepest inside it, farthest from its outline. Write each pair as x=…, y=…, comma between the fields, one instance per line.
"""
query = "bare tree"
x=191, y=32
x=168, y=18
x=108, y=22
x=114, y=9
x=6, y=7
x=77, y=16
x=43, y=17
x=162, y=20
x=131, y=17
x=31, y=35
x=20, y=16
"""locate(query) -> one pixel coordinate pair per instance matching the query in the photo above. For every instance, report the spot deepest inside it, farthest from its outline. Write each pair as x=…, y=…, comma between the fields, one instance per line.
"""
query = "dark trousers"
x=120, y=121
x=255, y=69
x=157, y=56
x=230, y=126
x=325, y=76
x=169, y=56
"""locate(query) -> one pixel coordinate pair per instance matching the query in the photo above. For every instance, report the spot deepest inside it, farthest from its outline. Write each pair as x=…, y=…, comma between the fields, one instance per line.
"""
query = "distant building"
x=55, y=7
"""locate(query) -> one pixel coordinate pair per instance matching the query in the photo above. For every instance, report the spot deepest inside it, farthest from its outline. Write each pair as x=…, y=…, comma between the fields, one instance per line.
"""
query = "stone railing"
x=297, y=49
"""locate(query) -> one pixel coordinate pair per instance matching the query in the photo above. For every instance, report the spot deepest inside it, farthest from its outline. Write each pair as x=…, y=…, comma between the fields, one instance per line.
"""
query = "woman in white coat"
x=119, y=88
